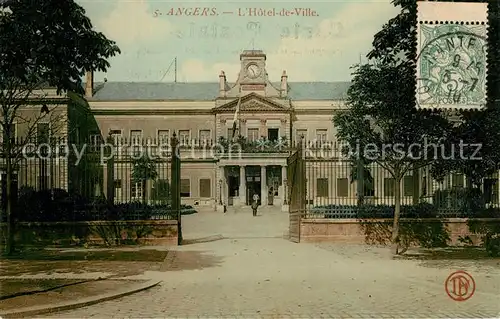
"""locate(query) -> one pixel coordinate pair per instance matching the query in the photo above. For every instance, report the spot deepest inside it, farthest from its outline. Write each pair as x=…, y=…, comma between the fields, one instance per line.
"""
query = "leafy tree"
x=43, y=44
x=382, y=118
x=479, y=127
x=144, y=169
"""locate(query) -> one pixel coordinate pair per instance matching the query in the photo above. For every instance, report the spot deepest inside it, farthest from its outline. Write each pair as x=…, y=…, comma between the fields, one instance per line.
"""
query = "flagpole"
x=236, y=120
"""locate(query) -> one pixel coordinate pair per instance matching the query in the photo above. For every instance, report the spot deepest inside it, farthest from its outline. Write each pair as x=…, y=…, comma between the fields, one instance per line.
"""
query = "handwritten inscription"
x=257, y=29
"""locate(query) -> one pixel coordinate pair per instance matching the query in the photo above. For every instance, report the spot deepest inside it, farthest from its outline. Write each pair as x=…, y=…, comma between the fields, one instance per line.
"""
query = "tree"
x=144, y=169
x=479, y=127
x=43, y=44
x=382, y=120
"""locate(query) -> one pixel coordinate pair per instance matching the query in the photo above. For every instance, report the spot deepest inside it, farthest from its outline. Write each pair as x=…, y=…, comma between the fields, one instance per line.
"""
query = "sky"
x=310, y=47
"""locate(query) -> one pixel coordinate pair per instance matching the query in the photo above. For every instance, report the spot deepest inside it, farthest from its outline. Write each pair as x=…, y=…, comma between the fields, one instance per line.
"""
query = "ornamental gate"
x=296, y=176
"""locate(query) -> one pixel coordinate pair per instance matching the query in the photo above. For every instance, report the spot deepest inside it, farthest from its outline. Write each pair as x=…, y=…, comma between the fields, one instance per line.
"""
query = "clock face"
x=452, y=66
x=253, y=71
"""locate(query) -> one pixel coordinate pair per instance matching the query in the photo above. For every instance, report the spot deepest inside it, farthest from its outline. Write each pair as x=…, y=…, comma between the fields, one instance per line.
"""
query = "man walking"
x=255, y=203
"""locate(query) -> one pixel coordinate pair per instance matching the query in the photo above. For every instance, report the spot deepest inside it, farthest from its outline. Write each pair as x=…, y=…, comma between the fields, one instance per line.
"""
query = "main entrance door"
x=253, y=183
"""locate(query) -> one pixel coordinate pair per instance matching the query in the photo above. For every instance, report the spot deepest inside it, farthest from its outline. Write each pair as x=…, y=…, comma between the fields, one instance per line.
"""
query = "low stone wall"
x=351, y=231
x=142, y=232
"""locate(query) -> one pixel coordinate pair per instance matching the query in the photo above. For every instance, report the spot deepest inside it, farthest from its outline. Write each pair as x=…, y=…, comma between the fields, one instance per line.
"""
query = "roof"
x=123, y=91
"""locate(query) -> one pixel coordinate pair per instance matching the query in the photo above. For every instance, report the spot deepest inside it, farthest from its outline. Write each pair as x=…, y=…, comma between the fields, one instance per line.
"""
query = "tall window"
x=342, y=187
x=204, y=136
x=116, y=136
x=273, y=134
x=118, y=188
x=457, y=180
x=321, y=135
x=230, y=133
x=205, y=188
x=43, y=132
x=163, y=137
x=322, y=187
x=95, y=138
x=136, y=191
x=185, y=187
x=389, y=186
x=135, y=137
x=184, y=137
x=253, y=134
x=408, y=185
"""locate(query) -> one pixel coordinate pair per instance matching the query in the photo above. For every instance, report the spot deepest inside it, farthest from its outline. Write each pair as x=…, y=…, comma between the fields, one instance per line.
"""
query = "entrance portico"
x=239, y=183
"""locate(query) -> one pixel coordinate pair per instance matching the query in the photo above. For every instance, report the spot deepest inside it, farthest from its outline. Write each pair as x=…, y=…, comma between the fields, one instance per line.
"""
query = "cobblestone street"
x=252, y=277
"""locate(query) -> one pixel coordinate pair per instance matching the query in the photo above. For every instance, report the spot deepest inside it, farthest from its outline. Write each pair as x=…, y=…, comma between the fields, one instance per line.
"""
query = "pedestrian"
x=255, y=204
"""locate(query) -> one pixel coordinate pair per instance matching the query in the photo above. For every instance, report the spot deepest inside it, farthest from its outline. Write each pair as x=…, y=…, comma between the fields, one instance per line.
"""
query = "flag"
x=236, y=118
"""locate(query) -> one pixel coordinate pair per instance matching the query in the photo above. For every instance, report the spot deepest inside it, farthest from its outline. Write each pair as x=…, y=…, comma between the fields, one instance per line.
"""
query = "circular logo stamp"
x=460, y=286
x=452, y=65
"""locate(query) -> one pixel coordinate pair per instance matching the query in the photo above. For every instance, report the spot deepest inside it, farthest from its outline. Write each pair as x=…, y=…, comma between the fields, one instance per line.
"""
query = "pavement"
x=244, y=268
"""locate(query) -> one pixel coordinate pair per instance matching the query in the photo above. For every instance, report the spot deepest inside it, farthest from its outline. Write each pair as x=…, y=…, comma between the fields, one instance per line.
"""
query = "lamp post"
x=285, y=192
x=220, y=191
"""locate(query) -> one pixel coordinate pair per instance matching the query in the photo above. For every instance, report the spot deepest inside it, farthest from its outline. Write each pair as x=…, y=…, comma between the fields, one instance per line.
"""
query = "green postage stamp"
x=452, y=57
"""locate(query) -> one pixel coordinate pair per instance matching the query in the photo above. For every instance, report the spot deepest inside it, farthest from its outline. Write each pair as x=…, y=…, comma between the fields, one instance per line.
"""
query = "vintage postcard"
x=249, y=159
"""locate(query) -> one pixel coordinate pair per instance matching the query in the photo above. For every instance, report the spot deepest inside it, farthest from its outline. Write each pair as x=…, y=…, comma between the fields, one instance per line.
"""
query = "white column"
x=263, y=185
x=242, y=189
x=283, y=186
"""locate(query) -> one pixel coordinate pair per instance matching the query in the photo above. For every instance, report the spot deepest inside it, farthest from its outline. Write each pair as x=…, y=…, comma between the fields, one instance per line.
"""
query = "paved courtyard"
x=246, y=270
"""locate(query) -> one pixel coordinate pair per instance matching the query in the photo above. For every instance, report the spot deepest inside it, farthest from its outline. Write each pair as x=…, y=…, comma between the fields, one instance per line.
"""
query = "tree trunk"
x=397, y=212
x=9, y=247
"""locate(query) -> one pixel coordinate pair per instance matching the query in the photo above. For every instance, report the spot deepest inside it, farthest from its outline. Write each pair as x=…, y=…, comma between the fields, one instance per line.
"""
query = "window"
x=424, y=185
x=408, y=185
x=457, y=181
x=321, y=135
x=163, y=137
x=229, y=133
x=253, y=134
x=95, y=139
x=12, y=133
x=204, y=136
x=273, y=134
x=389, y=186
x=185, y=187
x=136, y=191
x=115, y=135
x=490, y=191
x=135, y=137
x=184, y=137
x=43, y=132
x=322, y=187
x=118, y=183
x=205, y=188
x=342, y=187
x=299, y=133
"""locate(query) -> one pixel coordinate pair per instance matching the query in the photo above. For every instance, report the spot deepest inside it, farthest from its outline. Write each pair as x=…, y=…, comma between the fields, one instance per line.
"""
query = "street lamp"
x=220, y=191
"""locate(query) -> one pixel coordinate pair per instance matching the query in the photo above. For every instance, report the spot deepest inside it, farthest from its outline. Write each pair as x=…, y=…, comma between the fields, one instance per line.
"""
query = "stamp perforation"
x=454, y=22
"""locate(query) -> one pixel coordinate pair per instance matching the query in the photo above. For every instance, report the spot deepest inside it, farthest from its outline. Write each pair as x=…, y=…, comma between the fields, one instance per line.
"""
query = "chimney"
x=89, y=84
x=284, y=84
x=222, y=83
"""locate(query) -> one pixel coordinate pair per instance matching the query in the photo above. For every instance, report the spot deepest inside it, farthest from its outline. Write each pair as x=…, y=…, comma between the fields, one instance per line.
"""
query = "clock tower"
x=253, y=76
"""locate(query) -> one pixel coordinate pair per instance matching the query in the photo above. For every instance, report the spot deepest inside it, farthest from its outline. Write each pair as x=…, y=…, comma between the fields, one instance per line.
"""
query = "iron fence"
x=333, y=190
x=58, y=180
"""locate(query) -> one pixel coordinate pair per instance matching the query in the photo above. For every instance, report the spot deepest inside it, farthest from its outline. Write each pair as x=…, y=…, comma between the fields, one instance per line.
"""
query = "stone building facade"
x=271, y=116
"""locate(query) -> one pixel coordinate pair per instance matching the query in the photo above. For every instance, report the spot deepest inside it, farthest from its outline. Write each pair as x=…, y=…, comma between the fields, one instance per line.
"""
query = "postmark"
x=451, y=65
x=460, y=286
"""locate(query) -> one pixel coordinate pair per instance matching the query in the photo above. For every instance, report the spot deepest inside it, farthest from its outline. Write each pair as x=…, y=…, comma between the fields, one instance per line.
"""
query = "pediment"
x=251, y=103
